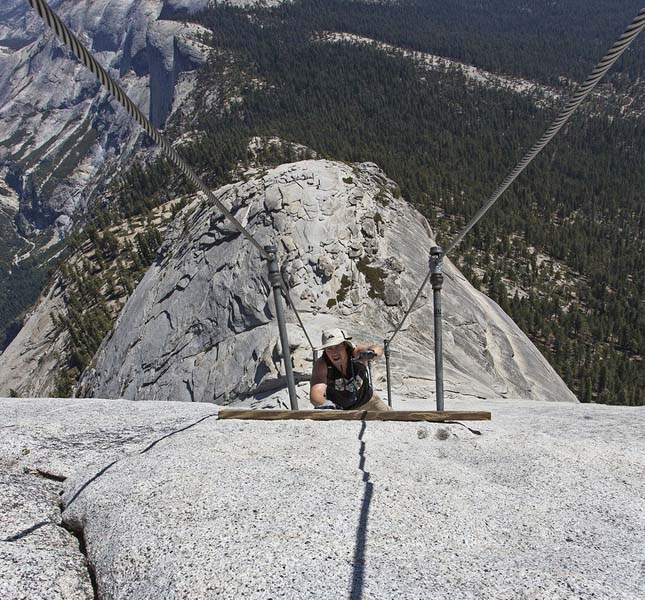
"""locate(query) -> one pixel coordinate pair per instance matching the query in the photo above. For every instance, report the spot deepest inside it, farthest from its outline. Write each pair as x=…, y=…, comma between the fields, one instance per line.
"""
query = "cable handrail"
x=84, y=55
x=612, y=55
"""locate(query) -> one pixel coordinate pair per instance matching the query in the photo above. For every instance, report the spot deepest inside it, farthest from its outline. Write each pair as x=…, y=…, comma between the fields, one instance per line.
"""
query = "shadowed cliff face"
x=200, y=326
x=60, y=136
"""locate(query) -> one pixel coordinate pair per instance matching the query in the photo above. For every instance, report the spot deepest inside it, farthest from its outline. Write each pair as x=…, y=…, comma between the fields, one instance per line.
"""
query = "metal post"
x=436, y=279
x=386, y=348
x=276, y=283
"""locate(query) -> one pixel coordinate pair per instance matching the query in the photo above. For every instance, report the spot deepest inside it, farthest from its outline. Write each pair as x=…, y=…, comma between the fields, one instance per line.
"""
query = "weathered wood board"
x=354, y=415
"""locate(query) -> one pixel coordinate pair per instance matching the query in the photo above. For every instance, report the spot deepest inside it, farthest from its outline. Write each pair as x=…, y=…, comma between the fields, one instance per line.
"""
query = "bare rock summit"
x=200, y=326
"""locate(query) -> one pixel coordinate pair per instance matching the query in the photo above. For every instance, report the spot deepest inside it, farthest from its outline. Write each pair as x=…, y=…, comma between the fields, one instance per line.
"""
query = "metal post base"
x=386, y=348
x=436, y=279
x=276, y=283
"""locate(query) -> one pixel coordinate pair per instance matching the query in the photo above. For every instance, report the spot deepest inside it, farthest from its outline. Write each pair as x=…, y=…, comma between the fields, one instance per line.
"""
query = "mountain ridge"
x=199, y=326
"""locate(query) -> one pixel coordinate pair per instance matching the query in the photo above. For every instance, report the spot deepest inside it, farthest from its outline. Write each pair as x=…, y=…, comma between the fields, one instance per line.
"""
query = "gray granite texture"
x=201, y=325
x=41, y=443
x=39, y=559
x=546, y=503
x=55, y=436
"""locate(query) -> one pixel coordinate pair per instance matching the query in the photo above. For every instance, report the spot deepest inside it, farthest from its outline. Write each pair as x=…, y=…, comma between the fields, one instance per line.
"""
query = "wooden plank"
x=354, y=415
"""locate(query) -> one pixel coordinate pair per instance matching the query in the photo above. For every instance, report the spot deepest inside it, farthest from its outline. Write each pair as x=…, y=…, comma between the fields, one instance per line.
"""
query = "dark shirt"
x=348, y=393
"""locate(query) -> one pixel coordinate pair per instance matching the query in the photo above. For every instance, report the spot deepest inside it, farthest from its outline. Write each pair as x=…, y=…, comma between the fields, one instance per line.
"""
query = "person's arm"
x=378, y=350
x=318, y=389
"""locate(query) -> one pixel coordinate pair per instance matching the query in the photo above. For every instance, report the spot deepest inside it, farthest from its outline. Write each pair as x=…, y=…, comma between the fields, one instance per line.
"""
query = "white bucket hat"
x=332, y=337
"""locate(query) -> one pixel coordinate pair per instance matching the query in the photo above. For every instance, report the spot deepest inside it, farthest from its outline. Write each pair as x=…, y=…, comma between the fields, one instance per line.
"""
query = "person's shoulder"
x=320, y=362
x=319, y=372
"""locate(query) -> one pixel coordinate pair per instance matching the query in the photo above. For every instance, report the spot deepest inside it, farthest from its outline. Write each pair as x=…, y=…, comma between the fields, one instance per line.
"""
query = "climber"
x=340, y=378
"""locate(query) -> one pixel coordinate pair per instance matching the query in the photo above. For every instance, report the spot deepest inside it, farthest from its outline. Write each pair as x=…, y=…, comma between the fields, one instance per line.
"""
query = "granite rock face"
x=39, y=559
x=31, y=362
x=60, y=135
x=184, y=505
x=55, y=437
x=41, y=444
x=200, y=326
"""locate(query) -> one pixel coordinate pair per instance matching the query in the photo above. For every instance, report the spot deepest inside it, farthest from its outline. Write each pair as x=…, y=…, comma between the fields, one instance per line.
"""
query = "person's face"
x=337, y=354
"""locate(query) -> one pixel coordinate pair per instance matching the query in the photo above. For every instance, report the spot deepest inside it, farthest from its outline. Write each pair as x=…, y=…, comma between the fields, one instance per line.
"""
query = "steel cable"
x=635, y=27
x=79, y=50
x=614, y=53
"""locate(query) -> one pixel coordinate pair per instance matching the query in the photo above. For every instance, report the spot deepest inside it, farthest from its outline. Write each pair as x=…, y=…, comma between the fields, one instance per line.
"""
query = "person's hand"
x=367, y=355
x=327, y=405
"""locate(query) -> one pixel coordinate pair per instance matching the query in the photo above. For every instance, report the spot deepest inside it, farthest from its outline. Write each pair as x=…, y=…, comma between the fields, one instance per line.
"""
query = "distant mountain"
x=60, y=135
x=62, y=140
